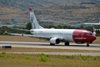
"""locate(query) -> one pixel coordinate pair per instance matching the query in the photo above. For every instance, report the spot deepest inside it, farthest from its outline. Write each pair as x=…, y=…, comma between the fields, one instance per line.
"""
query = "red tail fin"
x=30, y=9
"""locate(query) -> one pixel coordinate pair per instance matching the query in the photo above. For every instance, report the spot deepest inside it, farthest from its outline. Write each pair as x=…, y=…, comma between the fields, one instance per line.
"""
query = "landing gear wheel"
x=87, y=45
x=66, y=43
x=52, y=44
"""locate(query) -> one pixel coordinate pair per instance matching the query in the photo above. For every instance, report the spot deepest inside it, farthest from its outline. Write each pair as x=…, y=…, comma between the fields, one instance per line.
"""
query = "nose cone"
x=93, y=37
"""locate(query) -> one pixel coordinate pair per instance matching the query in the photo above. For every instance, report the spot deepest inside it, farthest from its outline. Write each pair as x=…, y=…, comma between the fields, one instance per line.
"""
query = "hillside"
x=57, y=11
x=24, y=4
x=72, y=14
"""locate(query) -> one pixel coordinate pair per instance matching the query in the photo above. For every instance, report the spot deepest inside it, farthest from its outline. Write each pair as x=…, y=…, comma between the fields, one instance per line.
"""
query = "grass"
x=32, y=60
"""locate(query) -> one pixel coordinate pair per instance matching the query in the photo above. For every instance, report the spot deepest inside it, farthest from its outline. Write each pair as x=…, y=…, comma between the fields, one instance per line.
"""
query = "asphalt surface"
x=47, y=45
x=95, y=47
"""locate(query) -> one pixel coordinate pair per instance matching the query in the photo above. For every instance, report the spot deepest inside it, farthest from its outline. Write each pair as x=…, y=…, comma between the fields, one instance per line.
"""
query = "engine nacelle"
x=80, y=42
x=54, y=41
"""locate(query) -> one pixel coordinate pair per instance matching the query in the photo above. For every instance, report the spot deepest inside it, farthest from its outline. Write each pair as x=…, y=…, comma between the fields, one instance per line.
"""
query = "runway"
x=47, y=45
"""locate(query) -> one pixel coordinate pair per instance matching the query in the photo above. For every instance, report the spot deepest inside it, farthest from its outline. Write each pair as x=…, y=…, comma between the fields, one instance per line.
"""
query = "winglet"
x=30, y=9
x=4, y=29
x=94, y=31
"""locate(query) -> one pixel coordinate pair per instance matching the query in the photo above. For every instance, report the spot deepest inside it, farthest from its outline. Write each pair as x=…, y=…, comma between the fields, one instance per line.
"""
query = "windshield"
x=89, y=34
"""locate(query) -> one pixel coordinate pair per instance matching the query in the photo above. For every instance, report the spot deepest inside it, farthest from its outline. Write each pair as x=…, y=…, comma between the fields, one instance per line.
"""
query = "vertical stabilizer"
x=34, y=22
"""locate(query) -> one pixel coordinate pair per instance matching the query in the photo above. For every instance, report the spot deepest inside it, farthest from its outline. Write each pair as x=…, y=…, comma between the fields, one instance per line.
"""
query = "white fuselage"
x=67, y=34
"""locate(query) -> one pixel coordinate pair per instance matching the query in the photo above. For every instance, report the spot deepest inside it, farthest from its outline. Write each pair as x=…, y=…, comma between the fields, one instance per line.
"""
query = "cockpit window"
x=89, y=34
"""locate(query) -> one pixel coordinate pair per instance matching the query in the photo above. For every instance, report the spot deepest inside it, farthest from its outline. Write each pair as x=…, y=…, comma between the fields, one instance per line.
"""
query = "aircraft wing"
x=21, y=29
x=36, y=36
x=29, y=35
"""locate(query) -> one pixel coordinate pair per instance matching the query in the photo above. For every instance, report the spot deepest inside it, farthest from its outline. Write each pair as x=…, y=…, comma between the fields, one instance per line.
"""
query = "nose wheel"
x=88, y=44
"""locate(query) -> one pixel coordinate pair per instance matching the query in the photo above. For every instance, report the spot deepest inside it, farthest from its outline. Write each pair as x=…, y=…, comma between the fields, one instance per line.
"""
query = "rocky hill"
x=57, y=11
x=40, y=3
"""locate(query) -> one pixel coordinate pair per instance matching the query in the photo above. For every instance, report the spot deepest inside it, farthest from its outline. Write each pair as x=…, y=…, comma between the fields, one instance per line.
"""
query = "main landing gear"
x=66, y=43
x=52, y=44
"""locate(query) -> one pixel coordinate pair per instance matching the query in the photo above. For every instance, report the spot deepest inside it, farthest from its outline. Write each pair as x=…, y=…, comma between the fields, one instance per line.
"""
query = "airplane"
x=55, y=36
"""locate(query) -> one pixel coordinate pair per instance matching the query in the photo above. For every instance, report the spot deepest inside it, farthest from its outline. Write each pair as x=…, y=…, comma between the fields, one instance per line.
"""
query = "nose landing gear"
x=88, y=44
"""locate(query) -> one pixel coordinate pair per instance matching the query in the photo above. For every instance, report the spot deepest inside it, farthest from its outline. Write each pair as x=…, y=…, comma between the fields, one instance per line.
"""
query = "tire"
x=52, y=44
x=66, y=43
x=87, y=45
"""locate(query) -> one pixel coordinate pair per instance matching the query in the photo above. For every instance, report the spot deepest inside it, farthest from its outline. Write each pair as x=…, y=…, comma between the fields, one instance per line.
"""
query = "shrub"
x=83, y=57
x=1, y=56
x=43, y=59
x=37, y=55
x=42, y=54
x=63, y=58
x=58, y=55
x=63, y=55
x=22, y=53
x=89, y=56
x=3, y=52
x=27, y=58
x=67, y=56
x=47, y=55
x=98, y=56
x=94, y=58
x=13, y=57
x=72, y=56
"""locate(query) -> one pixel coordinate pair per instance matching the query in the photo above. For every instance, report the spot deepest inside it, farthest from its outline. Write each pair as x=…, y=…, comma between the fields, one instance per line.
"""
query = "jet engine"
x=54, y=40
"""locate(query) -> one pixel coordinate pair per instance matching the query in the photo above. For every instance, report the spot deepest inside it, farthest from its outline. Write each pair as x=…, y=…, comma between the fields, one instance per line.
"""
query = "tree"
x=28, y=26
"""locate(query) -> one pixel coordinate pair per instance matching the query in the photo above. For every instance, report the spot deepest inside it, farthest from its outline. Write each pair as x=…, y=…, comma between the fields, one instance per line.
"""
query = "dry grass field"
x=19, y=38
x=42, y=60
